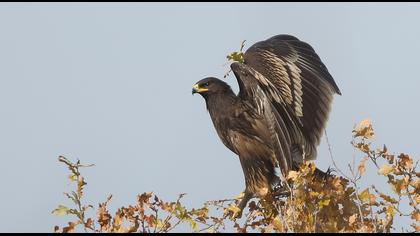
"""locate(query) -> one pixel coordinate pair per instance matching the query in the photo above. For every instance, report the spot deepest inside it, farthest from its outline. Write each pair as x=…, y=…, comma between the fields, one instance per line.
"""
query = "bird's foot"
x=237, y=210
x=328, y=174
x=233, y=212
x=280, y=194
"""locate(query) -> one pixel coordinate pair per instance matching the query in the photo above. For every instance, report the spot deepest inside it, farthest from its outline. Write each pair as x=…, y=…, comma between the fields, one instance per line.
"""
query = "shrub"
x=334, y=204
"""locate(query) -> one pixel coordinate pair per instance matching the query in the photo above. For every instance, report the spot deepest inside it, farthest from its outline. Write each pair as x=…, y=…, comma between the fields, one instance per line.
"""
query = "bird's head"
x=210, y=86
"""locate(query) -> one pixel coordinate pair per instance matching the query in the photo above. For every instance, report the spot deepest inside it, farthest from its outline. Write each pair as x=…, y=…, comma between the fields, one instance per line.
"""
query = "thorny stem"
x=354, y=182
x=282, y=219
x=332, y=157
x=373, y=157
x=173, y=226
x=413, y=204
x=373, y=218
x=156, y=217
x=209, y=226
x=248, y=218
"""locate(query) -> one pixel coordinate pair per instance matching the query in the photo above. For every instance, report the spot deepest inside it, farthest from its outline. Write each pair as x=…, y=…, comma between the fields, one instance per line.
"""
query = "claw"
x=237, y=215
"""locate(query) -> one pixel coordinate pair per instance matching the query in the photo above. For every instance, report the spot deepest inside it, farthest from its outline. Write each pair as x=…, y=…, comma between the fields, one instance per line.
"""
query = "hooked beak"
x=196, y=89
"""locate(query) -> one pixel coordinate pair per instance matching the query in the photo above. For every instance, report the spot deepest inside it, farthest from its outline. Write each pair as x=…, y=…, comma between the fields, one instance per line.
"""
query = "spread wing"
x=260, y=97
x=293, y=74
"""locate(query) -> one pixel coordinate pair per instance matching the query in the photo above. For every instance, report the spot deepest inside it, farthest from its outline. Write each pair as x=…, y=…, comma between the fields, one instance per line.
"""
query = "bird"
x=276, y=120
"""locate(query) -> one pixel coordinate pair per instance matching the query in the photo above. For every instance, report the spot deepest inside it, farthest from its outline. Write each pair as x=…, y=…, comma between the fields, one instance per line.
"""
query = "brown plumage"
x=279, y=114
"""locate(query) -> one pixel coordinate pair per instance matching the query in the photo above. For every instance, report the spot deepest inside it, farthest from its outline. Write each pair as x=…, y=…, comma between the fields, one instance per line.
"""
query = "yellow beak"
x=196, y=89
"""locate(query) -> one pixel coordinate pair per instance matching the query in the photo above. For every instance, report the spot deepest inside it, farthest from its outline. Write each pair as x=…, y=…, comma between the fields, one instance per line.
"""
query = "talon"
x=247, y=196
x=281, y=192
x=238, y=215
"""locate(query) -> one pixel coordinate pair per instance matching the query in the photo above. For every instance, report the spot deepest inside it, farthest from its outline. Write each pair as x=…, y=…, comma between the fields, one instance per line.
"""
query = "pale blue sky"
x=110, y=84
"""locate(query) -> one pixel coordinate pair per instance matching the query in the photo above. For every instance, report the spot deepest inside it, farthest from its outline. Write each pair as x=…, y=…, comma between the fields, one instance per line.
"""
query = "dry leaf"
x=364, y=129
x=415, y=216
x=365, y=195
x=352, y=219
x=362, y=166
x=385, y=169
x=292, y=175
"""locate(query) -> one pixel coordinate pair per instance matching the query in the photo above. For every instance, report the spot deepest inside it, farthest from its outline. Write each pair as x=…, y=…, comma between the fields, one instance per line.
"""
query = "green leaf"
x=73, y=177
x=237, y=56
x=60, y=211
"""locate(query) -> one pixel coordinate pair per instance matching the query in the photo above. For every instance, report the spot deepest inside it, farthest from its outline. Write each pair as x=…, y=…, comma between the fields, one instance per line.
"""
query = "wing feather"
x=261, y=96
x=300, y=79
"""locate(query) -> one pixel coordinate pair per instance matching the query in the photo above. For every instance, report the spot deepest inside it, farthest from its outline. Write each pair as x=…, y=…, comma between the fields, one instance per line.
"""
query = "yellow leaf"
x=364, y=123
x=372, y=199
x=417, y=199
x=89, y=223
x=364, y=129
x=277, y=224
x=390, y=211
x=405, y=161
x=313, y=194
x=292, y=175
x=416, y=227
x=71, y=227
x=323, y=203
x=73, y=177
x=364, y=196
x=385, y=169
x=352, y=219
x=232, y=210
x=362, y=166
x=397, y=186
x=388, y=198
x=193, y=224
x=118, y=220
x=267, y=229
x=240, y=196
x=415, y=216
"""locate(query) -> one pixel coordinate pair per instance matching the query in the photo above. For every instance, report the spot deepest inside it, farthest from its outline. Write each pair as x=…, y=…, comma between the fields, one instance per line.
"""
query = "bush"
x=335, y=204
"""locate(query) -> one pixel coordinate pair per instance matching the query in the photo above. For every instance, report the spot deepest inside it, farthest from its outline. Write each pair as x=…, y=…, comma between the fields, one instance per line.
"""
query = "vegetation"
x=336, y=204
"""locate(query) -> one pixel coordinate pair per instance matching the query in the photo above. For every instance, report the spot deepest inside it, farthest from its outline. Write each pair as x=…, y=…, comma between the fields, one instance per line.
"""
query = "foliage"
x=75, y=197
x=235, y=57
x=313, y=204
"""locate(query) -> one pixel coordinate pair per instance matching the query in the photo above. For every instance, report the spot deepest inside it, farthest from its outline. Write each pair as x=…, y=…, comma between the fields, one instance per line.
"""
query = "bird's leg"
x=243, y=202
x=281, y=191
x=321, y=174
x=328, y=174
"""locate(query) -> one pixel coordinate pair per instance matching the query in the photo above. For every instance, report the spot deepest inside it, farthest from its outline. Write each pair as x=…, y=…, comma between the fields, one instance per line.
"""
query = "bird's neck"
x=221, y=103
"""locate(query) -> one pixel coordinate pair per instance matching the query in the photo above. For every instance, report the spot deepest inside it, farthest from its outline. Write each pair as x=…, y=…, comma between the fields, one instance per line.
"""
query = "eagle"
x=276, y=120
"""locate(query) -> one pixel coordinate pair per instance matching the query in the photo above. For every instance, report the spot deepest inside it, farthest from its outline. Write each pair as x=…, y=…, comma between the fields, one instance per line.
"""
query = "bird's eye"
x=206, y=84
